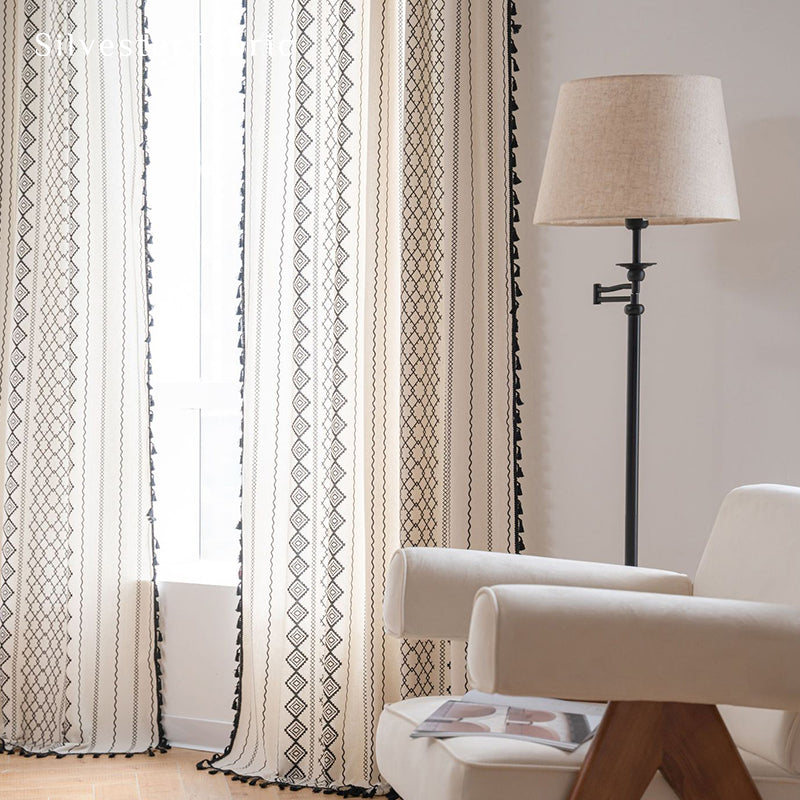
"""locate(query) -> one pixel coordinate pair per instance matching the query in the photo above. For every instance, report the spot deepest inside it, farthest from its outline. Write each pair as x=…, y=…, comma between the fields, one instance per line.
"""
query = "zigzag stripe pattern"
x=383, y=306
x=27, y=166
x=76, y=464
x=297, y=612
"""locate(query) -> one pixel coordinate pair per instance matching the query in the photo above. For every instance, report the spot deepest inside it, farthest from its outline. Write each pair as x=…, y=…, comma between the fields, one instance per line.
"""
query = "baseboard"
x=197, y=734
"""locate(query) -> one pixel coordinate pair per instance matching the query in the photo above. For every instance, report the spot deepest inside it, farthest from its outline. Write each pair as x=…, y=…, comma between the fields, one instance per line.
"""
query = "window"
x=194, y=183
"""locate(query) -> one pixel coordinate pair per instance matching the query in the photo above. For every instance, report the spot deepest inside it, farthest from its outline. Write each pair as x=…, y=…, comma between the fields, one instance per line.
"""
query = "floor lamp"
x=637, y=150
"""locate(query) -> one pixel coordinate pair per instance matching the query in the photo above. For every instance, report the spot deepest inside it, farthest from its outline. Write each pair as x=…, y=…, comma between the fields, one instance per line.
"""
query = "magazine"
x=564, y=724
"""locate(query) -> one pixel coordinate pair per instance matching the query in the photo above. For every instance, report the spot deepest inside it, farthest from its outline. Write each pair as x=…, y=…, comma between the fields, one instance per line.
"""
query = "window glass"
x=194, y=183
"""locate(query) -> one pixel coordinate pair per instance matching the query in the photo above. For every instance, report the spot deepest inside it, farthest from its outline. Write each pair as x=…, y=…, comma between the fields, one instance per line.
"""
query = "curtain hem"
x=382, y=790
x=18, y=750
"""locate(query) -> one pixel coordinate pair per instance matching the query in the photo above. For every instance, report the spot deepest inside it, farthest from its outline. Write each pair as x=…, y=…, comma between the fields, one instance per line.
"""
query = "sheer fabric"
x=77, y=633
x=378, y=377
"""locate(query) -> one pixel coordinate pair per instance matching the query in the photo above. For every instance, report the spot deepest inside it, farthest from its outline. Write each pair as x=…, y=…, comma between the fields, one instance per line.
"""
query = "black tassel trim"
x=163, y=745
x=338, y=791
x=514, y=28
x=16, y=750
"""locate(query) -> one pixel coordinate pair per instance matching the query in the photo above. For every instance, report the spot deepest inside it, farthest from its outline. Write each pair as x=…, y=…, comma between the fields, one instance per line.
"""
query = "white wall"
x=198, y=622
x=721, y=334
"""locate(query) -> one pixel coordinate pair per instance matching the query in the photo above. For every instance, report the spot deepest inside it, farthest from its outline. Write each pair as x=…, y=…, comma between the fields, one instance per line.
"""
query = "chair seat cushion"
x=485, y=768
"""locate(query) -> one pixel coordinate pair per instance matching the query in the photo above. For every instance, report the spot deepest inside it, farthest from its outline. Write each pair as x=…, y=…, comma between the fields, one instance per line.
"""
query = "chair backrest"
x=754, y=554
x=754, y=549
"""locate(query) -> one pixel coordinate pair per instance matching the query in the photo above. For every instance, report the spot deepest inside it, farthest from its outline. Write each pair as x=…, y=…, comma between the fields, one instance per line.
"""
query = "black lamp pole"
x=634, y=310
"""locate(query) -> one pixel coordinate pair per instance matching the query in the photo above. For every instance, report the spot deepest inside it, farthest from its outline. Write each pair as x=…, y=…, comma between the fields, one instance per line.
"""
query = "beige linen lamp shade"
x=651, y=147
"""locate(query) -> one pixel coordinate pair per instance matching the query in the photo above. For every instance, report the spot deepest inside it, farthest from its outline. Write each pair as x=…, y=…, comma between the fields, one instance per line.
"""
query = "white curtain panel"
x=77, y=633
x=378, y=379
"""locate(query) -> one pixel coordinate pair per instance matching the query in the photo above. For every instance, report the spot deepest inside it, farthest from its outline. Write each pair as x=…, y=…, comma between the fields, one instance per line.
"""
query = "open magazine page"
x=564, y=724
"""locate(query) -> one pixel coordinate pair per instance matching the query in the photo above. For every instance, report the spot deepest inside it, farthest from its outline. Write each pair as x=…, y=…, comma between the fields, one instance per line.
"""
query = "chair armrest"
x=614, y=645
x=429, y=590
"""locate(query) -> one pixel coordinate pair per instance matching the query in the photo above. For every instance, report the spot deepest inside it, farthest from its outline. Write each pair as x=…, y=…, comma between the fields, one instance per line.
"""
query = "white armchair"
x=664, y=650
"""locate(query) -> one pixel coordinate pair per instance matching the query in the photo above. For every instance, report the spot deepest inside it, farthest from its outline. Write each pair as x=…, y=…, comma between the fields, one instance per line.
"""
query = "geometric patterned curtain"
x=379, y=386
x=458, y=432
x=77, y=607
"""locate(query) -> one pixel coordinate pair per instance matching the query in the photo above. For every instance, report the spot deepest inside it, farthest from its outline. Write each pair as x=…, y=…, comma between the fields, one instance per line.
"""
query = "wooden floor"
x=168, y=776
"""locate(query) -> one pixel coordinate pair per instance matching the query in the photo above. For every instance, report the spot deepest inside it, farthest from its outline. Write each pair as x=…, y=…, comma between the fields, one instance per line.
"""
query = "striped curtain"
x=77, y=633
x=379, y=398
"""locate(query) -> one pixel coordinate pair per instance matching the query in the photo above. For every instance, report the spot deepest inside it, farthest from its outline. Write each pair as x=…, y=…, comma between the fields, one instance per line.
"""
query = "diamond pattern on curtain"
x=77, y=630
x=378, y=370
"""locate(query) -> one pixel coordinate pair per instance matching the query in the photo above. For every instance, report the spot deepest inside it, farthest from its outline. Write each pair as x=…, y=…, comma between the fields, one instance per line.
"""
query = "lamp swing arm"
x=635, y=266
x=600, y=290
